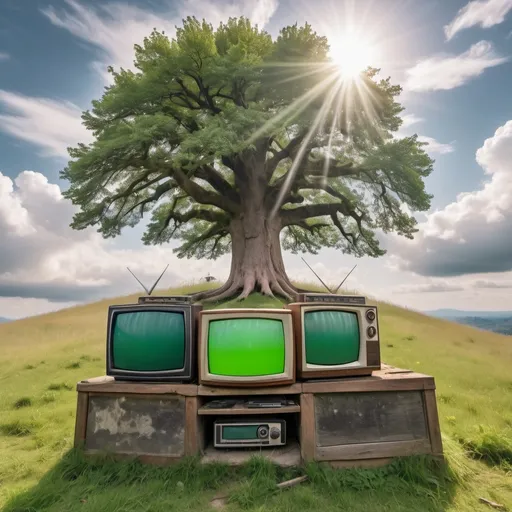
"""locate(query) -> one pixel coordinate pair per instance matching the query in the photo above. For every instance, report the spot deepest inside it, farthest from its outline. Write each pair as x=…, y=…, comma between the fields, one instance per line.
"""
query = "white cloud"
x=52, y=125
x=115, y=27
x=434, y=146
x=43, y=258
x=485, y=13
x=14, y=308
x=472, y=235
x=430, y=287
x=410, y=119
x=443, y=72
x=484, y=284
x=4, y=56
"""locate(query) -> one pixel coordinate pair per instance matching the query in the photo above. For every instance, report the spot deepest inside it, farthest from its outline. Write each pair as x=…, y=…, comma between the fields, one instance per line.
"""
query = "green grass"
x=43, y=357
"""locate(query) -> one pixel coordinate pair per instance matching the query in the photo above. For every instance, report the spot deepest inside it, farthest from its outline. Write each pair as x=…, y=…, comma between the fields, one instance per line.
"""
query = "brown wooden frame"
x=371, y=454
x=351, y=455
x=107, y=386
x=238, y=384
x=373, y=362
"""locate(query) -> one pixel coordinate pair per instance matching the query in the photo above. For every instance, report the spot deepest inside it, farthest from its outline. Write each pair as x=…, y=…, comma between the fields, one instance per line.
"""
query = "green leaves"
x=217, y=117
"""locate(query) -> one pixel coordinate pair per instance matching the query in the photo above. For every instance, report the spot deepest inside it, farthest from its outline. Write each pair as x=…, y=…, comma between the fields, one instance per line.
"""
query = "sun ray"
x=319, y=120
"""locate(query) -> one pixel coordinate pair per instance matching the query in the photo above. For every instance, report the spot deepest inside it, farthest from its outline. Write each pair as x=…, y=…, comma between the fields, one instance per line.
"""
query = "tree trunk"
x=256, y=261
x=256, y=257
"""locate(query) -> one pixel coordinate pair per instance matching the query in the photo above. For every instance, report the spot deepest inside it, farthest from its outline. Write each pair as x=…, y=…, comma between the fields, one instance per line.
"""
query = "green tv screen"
x=331, y=337
x=148, y=341
x=246, y=347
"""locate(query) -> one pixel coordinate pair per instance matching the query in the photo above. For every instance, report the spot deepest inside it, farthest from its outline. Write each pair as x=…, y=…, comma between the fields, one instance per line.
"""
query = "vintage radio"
x=249, y=432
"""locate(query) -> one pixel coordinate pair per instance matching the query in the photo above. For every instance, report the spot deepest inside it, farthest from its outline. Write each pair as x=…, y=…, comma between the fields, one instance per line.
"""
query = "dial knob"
x=370, y=315
x=275, y=433
x=262, y=432
x=371, y=331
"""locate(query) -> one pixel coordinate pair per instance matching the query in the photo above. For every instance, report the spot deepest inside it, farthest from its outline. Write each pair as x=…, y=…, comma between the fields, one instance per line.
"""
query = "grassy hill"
x=43, y=357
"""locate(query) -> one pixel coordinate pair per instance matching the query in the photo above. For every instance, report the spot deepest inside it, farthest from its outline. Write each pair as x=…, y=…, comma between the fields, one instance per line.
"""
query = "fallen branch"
x=492, y=504
x=293, y=482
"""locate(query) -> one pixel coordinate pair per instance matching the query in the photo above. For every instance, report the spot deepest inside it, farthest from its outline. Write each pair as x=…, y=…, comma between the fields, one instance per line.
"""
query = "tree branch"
x=201, y=195
x=217, y=181
x=295, y=215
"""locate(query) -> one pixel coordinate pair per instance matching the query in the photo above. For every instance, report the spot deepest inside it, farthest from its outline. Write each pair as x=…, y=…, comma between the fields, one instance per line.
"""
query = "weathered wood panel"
x=307, y=427
x=358, y=418
x=129, y=425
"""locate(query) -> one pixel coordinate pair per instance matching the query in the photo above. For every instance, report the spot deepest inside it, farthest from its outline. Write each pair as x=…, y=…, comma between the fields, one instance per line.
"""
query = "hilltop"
x=43, y=357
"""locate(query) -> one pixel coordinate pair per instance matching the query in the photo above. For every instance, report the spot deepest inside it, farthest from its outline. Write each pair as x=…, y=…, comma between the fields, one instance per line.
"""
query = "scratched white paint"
x=110, y=419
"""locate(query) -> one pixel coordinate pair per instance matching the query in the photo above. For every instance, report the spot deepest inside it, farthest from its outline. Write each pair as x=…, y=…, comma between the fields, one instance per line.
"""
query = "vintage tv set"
x=154, y=340
x=246, y=347
x=335, y=336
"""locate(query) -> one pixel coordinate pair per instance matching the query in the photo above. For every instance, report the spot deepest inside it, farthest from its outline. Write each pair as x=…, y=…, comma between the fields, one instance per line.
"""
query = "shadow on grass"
x=102, y=485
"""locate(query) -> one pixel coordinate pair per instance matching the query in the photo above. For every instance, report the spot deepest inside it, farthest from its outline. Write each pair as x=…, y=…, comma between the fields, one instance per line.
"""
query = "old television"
x=154, y=340
x=335, y=336
x=246, y=347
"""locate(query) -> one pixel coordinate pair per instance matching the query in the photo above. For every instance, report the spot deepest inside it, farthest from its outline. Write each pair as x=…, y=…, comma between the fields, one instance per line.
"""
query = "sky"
x=452, y=59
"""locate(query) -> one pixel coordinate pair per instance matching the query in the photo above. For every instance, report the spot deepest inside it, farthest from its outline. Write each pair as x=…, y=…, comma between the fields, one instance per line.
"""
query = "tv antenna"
x=150, y=291
x=320, y=279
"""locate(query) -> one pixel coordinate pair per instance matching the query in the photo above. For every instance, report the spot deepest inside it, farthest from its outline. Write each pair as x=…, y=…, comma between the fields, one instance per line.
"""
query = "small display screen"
x=238, y=432
x=246, y=347
x=148, y=341
x=331, y=337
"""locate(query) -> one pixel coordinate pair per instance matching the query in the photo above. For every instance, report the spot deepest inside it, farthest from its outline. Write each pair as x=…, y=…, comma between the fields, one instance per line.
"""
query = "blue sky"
x=451, y=57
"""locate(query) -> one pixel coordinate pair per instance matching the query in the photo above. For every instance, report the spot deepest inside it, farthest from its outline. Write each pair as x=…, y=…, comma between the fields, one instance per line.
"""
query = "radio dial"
x=275, y=433
x=262, y=432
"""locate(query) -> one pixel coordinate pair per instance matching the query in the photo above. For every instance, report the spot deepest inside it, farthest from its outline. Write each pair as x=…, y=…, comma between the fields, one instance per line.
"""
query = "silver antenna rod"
x=318, y=277
x=341, y=284
x=150, y=291
x=156, y=282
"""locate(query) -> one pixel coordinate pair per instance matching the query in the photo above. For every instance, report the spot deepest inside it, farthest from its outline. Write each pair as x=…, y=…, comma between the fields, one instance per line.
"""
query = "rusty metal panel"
x=136, y=425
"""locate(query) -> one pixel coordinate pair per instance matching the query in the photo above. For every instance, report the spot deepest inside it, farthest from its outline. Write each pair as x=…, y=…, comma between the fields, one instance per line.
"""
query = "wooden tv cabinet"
x=360, y=421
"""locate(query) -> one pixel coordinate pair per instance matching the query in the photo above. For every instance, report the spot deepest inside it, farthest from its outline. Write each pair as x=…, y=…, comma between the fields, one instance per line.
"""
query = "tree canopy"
x=216, y=128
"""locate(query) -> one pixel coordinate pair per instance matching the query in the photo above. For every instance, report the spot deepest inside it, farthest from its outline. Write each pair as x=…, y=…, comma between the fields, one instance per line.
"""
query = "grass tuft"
x=490, y=446
x=18, y=428
x=48, y=397
x=60, y=386
x=29, y=367
x=73, y=366
x=24, y=401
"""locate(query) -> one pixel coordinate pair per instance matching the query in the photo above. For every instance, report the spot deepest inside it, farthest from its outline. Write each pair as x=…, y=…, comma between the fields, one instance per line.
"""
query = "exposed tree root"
x=213, y=293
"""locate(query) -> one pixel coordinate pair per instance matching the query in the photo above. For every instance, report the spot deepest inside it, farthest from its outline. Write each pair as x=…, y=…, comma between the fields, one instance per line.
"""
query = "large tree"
x=238, y=142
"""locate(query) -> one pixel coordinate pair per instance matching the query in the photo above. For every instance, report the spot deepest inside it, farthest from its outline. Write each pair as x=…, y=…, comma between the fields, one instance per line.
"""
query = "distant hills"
x=2, y=319
x=496, y=321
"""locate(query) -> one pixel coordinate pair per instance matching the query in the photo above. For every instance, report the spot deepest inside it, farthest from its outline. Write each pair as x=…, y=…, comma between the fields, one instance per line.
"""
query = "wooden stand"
x=346, y=422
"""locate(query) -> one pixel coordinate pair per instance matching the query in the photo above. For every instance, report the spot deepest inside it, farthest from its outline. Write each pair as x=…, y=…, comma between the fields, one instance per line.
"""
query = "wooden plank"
x=307, y=427
x=400, y=382
x=292, y=389
x=358, y=418
x=434, y=428
x=127, y=424
x=373, y=450
x=82, y=404
x=244, y=409
x=138, y=388
x=191, y=426
x=284, y=456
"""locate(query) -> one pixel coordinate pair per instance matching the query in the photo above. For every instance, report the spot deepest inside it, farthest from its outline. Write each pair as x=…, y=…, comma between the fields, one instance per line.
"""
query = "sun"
x=352, y=54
